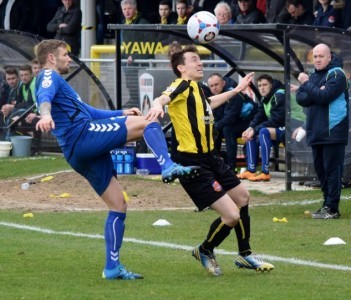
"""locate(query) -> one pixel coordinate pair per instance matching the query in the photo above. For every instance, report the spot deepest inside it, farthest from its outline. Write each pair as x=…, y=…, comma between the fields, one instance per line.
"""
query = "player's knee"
x=245, y=198
x=264, y=132
x=231, y=219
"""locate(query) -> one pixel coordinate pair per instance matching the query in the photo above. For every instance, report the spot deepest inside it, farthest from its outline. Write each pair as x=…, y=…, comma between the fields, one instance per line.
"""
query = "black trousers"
x=328, y=161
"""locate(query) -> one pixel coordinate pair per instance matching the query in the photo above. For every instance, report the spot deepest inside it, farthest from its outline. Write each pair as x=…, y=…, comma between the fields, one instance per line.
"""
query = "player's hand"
x=134, y=111
x=245, y=82
x=6, y=109
x=154, y=113
x=303, y=77
x=30, y=118
x=46, y=123
x=247, y=134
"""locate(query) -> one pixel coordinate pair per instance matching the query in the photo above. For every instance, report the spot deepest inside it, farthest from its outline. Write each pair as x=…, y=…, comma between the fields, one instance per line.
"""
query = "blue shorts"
x=90, y=151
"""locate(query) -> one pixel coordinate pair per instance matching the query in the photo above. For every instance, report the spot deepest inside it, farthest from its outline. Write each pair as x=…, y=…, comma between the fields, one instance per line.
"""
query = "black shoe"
x=325, y=213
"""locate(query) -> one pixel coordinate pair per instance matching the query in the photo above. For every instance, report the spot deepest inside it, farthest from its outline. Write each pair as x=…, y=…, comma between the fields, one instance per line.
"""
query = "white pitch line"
x=293, y=261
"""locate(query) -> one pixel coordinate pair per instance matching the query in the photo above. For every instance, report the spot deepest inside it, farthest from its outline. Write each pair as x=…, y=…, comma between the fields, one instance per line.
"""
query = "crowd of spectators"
x=330, y=13
x=42, y=17
x=18, y=113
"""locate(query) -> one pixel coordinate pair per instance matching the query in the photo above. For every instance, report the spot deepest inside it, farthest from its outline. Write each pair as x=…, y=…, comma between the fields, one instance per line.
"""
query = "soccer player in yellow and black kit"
x=217, y=185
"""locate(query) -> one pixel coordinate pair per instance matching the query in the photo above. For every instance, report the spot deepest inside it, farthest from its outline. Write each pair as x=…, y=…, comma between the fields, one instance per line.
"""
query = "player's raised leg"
x=155, y=140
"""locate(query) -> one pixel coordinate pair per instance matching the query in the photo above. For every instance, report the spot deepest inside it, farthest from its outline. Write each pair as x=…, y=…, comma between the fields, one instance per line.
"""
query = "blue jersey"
x=86, y=135
x=68, y=110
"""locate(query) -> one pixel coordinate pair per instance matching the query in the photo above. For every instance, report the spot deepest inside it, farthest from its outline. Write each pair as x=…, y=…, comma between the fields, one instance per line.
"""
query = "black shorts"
x=214, y=180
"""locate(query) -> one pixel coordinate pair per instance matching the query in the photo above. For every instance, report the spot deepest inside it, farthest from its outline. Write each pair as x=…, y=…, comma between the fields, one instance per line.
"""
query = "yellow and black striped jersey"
x=191, y=115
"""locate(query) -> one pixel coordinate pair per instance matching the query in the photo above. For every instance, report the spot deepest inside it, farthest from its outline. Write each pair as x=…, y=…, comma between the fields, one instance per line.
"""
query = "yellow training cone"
x=48, y=178
x=64, y=195
x=28, y=215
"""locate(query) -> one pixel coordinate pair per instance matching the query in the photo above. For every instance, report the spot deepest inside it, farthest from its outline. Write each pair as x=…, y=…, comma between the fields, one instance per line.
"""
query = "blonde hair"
x=46, y=47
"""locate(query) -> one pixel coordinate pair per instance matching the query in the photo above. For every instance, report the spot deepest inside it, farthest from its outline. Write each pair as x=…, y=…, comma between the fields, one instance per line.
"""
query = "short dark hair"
x=268, y=77
x=295, y=3
x=215, y=74
x=26, y=68
x=177, y=58
x=165, y=2
x=11, y=71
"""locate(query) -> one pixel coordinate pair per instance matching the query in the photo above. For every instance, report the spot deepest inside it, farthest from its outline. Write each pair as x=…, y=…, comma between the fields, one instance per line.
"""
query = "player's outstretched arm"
x=134, y=111
x=46, y=123
x=157, y=108
x=219, y=99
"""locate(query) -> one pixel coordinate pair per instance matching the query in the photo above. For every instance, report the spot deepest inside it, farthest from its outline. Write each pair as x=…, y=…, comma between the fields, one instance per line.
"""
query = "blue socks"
x=155, y=140
x=114, y=231
x=265, y=142
x=251, y=154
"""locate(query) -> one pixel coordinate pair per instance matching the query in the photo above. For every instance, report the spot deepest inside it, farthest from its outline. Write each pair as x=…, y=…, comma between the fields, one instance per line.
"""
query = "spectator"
x=223, y=13
x=166, y=16
x=9, y=96
x=230, y=119
x=248, y=13
x=326, y=15
x=130, y=38
x=173, y=47
x=67, y=25
x=36, y=68
x=183, y=13
x=267, y=125
x=324, y=95
x=298, y=13
x=25, y=101
x=22, y=15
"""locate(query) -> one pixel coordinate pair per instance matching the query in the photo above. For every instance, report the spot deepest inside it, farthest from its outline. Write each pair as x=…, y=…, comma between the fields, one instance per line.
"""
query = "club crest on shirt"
x=46, y=82
x=216, y=186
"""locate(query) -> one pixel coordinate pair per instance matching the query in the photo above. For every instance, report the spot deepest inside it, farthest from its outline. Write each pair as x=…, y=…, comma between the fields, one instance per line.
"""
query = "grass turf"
x=40, y=265
x=65, y=258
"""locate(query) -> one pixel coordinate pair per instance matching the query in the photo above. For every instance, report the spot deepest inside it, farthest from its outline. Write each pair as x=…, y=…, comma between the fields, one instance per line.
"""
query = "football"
x=203, y=27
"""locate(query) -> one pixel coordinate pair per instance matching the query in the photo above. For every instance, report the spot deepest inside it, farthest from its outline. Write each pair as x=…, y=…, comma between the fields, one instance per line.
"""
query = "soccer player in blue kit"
x=87, y=135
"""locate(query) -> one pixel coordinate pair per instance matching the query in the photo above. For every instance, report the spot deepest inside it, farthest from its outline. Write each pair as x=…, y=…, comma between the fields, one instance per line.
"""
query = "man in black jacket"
x=324, y=95
x=298, y=13
x=230, y=120
x=67, y=25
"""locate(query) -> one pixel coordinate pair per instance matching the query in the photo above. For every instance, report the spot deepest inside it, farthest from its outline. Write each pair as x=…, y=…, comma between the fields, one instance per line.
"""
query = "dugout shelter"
x=278, y=49
x=17, y=48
